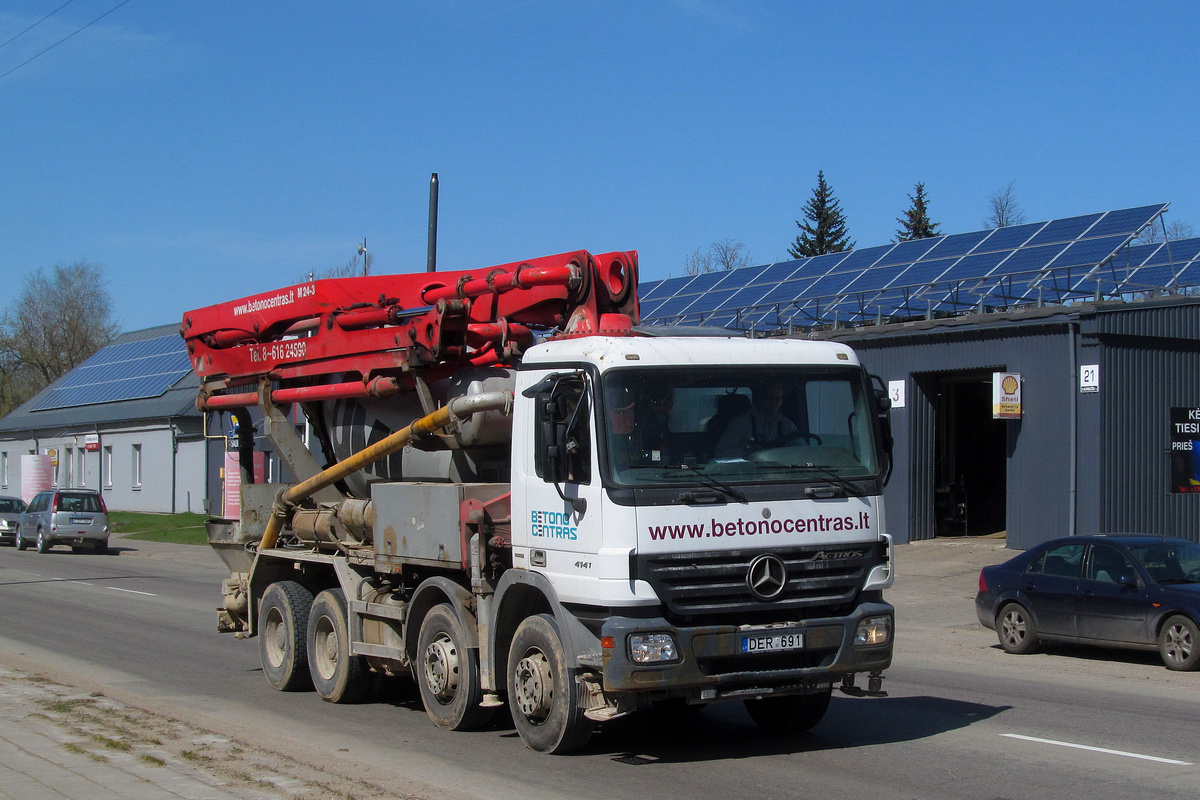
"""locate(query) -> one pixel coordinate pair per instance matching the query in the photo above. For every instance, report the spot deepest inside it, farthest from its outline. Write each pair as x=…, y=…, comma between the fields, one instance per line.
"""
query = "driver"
x=764, y=425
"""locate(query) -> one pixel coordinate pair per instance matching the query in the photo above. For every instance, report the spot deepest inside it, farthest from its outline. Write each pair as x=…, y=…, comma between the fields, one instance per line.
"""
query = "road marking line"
x=81, y=583
x=132, y=591
x=1098, y=749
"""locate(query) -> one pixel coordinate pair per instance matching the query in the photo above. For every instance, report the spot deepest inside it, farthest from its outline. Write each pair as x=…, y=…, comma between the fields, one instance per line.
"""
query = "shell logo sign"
x=1006, y=395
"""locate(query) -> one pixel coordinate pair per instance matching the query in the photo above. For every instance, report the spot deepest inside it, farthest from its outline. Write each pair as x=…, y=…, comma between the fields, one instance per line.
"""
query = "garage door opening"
x=970, y=458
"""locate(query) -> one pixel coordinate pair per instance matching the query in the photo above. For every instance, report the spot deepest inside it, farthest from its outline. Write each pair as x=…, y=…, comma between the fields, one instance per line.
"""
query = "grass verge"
x=183, y=528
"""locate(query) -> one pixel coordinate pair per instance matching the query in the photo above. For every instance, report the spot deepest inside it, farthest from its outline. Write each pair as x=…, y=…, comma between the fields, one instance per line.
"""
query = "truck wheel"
x=336, y=675
x=792, y=714
x=1179, y=643
x=1016, y=629
x=282, y=635
x=19, y=540
x=543, y=694
x=43, y=544
x=448, y=673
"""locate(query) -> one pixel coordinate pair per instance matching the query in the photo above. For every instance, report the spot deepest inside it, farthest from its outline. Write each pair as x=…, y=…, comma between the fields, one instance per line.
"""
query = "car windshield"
x=1170, y=562
x=10, y=505
x=743, y=425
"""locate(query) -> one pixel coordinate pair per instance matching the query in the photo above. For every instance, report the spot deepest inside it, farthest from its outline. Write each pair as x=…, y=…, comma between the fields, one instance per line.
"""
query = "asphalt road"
x=962, y=720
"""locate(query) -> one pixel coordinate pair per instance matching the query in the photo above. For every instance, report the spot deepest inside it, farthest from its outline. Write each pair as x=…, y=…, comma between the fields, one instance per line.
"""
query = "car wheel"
x=791, y=714
x=1016, y=629
x=1179, y=643
x=101, y=546
x=19, y=540
x=43, y=544
x=448, y=673
x=543, y=693
x=283, y=636
x=338, y=676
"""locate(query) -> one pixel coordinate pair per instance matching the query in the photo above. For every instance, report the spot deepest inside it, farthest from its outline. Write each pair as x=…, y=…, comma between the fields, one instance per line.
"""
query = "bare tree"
x=56, y=323
x=699, y=262
x=723, y=255
x=1003, y=209
x=1153, y=233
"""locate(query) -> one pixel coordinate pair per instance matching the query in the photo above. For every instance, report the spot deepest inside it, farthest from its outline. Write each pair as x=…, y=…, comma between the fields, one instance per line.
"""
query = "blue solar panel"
x=1179, y=251
x=957, y=244
x=974, y=266
x=1064, y=230
x=1125, y=220
x=665, y=288
x=1008, y=238
x=907, y=252
x=1189, y=275
x=127, y=371
x=1051, y=261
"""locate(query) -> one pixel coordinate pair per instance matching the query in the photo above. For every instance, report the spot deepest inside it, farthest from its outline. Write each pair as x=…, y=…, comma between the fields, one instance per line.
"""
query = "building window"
x=137, y=466
x=67, y=456
x=81, y=472
x=106, y=466
x=4, y=470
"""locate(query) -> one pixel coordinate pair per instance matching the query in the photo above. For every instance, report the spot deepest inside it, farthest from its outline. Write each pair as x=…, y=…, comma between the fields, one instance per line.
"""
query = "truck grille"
x=701, y=586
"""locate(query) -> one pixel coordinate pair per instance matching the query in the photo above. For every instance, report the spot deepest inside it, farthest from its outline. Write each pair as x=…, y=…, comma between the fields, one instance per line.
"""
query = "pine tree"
x=825, y=231
x=915, y=223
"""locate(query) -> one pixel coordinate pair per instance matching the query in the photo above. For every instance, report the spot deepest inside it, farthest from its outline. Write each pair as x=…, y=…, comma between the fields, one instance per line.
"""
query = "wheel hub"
x=1179, y=644
x=441, y=667
x=535, y=686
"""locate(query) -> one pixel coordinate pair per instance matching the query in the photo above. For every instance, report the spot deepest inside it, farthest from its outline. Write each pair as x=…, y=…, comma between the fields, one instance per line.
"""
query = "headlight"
x=3, y=524
x=648, y=648
x=873, y=631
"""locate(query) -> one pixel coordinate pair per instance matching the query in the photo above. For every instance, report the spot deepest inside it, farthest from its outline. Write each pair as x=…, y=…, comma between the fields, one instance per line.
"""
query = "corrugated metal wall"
x=1150, y=363
x=1077, y=462
x=1039, y=474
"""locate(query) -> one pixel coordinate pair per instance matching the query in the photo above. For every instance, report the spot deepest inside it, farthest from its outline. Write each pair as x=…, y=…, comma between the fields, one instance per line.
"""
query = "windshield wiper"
x=847, y=486
x=711, y=481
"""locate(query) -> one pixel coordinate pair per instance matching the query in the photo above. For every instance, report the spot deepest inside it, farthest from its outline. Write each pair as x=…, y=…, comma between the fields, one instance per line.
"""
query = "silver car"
x=75, y=517
x=10, y=515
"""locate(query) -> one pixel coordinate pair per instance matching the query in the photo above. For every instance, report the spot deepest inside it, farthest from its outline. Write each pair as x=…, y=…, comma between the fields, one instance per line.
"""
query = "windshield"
x=1170, y=562
x=738, y=425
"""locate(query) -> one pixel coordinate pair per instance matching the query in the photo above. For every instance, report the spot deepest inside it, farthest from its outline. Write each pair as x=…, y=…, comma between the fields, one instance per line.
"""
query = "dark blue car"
x=1140, y=592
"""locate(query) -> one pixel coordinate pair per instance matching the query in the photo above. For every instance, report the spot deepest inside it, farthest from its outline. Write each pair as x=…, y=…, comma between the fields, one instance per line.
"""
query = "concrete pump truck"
x=520, y=497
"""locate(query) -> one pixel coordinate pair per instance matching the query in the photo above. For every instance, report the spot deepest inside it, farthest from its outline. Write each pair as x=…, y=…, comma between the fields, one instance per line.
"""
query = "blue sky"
x=205, y=151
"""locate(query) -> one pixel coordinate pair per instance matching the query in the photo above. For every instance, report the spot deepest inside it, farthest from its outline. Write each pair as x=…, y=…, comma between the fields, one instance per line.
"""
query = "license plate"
x=81, y=520
x=769, y=643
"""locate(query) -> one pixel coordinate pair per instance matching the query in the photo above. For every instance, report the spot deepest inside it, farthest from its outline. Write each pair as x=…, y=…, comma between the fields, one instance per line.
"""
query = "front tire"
x=448, y=673
x=336, y=675
x=1179, y=643
x=1016, y=629
x=282, y=635
x=791, y=714
x=19, y=540
x=543, y=693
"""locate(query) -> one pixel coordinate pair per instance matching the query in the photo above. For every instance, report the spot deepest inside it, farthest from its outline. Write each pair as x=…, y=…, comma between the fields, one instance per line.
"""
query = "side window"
x=563, y=422
x=1064, y=561
x=1107, y=564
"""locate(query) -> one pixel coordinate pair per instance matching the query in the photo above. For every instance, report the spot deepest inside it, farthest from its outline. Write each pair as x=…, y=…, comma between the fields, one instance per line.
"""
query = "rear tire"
x=1016, y=629
x=792, y=714
x=336, y=675
x=283, y=635
x=101, y=547
x=43, y=544
x=543, y=693
x=1179, y=643
x=448, y=673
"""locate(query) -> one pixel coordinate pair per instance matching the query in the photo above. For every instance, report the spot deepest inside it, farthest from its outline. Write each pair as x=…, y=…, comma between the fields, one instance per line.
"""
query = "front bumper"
x=712, y=665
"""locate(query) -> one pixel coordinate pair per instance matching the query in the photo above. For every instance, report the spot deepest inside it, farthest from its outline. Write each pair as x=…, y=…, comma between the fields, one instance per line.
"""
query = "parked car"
x=75, y=517
x=1140, y=592
x=10, y=513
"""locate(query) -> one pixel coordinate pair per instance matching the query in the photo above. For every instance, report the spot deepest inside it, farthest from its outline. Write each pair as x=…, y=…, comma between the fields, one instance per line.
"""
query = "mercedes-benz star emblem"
x=766, y=577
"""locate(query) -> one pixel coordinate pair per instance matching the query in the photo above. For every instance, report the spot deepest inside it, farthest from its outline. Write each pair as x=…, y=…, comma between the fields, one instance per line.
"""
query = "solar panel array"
x=1043, y=262
x=123, y=371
